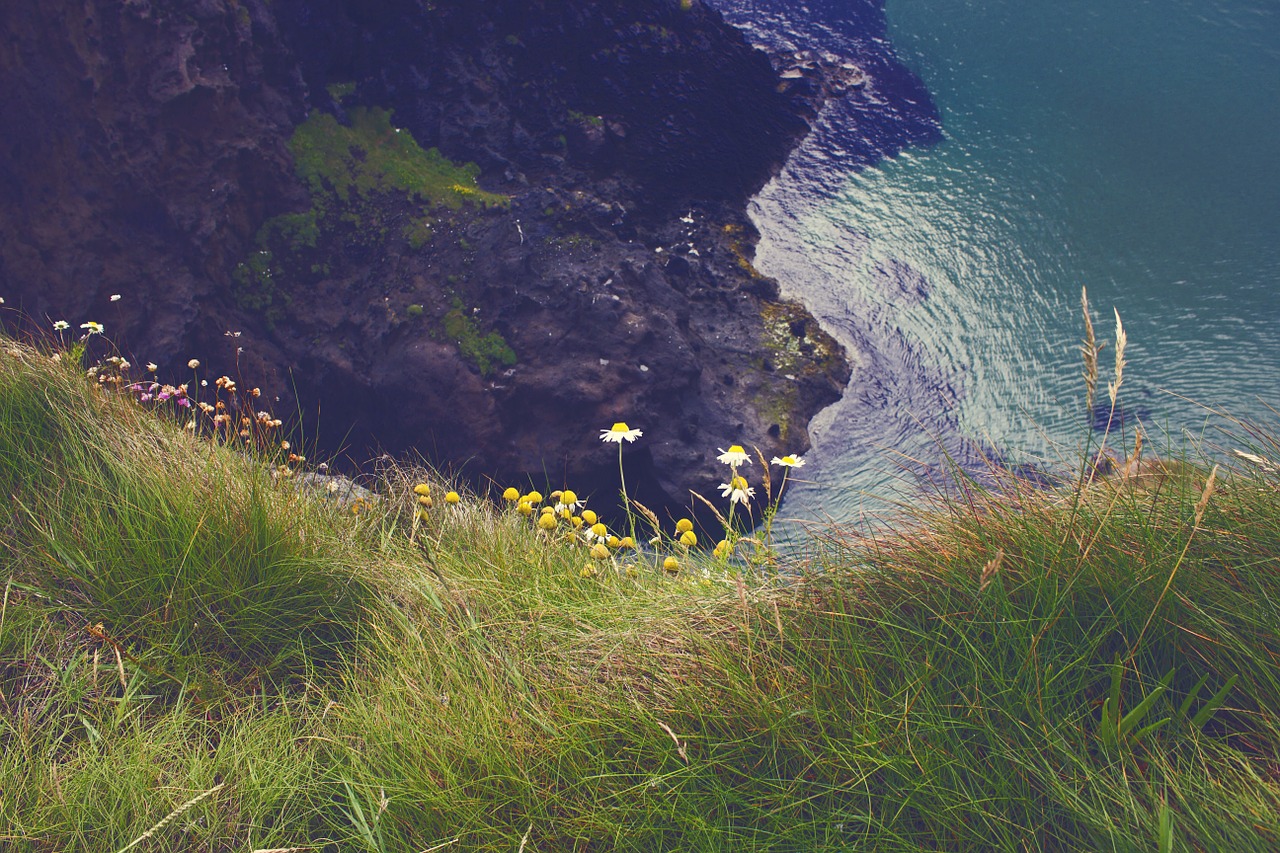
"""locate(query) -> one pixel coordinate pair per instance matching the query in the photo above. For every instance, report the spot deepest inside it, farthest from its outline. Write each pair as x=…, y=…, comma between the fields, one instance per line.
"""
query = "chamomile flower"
x=92, y=327
x=671, y=565
x=61, y=325
x=568, y=500
x=734, y=456
x=688, y=539
x=600, y=551
x=737, y=490
x=723, y=549
x=115, y=297
x=452, y=498
x=788, y=461
x=511, y=495
x=619, y=433
x=684, y=525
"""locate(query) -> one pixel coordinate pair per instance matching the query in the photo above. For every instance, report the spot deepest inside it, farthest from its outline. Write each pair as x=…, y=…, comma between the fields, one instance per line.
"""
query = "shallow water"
x=1127, y=147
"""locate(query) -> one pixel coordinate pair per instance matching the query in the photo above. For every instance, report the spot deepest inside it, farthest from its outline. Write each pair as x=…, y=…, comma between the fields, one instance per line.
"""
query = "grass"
x=275, y=672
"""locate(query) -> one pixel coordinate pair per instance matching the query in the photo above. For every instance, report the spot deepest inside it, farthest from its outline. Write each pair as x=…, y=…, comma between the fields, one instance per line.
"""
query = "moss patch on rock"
x=486, y=352
x=371, y=184
x=795, y=341
x=370, y=155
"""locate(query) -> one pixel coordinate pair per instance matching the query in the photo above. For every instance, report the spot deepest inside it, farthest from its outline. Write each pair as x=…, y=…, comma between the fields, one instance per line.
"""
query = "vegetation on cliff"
x=204, y=647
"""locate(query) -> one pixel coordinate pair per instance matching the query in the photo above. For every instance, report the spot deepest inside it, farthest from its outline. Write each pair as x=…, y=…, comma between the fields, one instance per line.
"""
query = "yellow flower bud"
x=534, y=497
x=588, y=571
x=524, y=508
x=576, y=521
x=684, y=525
x=688, y=539
x=598, y=529
x=452, y=498
x=422, y=489
x=425, y=500
x=547, y=522
x=627, y=542
x=671, y=564
x=722, y=549
x=599, y=551
x=589, y=517
x=511, y=495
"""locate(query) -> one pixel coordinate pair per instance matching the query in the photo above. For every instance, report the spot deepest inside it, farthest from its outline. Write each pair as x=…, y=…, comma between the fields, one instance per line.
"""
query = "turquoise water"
x=1128, y=147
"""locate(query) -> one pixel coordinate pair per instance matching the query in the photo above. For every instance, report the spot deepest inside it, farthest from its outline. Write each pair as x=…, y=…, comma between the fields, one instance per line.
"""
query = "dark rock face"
x=152, y=149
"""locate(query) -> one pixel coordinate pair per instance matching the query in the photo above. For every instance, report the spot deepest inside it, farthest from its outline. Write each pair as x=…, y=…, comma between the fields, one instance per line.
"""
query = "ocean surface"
x=1132, y=148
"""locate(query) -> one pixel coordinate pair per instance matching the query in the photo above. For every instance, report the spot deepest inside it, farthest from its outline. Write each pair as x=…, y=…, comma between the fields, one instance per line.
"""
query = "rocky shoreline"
x=241, y=173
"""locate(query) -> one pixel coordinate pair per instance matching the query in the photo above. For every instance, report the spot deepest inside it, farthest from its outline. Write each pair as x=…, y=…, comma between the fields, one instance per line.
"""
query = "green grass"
x=301, y=676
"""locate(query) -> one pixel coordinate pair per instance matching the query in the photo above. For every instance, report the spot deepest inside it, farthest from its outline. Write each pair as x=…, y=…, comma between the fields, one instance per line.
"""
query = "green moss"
x=254, y=287
x=372, y=156
x=340, y=91
x=414, y=310
x=596, y=122
x=418, y=232
x=486, y=352
x=812, y=351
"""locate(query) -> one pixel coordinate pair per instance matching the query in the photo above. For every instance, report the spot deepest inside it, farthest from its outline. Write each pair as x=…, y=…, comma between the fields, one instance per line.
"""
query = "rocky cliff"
x=482, y=231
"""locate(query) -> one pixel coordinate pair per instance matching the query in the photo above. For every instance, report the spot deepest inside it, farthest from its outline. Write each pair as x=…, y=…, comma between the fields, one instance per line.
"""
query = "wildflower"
x=588, y=571
x=688, y=539
x=589, y=517
x=534, y=497
x=547, y=522
x=723, y=549
x=789, y=461
x=193, y=363
x=599, y=551
x=191, y=426
x=684, y=525
x=94, y=328
x=627, y=542
x=599, y=531
x=511, y=495
x=61, y=325
x=671, y=564
x=524, y=508
x=452, y=498
x=734, y=456
x=613, y=542
x=576, y=521
x=115, y=297
x=737, y=490
x=620, y=433
x=423, y=515
x=284, y=445
x=422, y=489
x=568, y=501
x=152, y=367
x=425, y=500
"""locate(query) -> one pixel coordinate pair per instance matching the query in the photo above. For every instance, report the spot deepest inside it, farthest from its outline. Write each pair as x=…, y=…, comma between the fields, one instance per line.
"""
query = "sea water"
x=1131, y=148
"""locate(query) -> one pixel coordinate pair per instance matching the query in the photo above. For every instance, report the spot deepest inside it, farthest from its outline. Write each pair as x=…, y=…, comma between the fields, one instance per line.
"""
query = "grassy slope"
x=368, y=682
